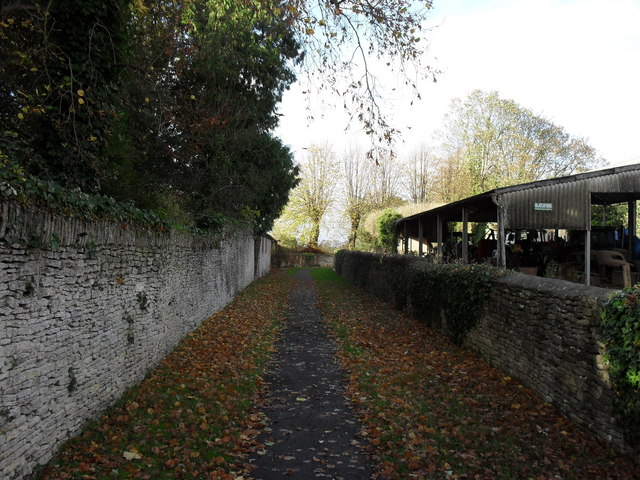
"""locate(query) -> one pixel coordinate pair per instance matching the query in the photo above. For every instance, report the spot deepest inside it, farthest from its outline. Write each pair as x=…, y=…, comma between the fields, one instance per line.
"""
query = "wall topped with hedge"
x=545, y=332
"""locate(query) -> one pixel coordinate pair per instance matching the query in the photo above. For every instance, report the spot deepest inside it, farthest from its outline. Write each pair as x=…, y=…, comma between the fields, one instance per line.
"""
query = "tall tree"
x=499, y=142
x=173, y=104
x=311, y=199
x=386, y=181
x=358, y=175
x=418, y=175
x=152, y=101
x=317, y=187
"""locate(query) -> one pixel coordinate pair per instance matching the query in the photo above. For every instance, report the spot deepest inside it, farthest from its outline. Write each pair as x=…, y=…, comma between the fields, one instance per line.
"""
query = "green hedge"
x=423, y=288
x=621, y=337
x=18, y=186
x=457, y=290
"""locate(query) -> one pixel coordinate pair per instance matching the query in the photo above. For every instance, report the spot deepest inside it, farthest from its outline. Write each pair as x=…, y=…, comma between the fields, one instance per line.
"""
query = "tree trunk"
x=353, y=233
x=315, y=234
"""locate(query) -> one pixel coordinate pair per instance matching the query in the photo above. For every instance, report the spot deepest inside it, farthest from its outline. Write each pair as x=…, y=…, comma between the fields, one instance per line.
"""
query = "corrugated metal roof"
x=563, y=202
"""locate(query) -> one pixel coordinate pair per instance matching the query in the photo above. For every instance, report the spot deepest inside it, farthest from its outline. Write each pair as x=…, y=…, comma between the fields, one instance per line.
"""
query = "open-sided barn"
x=552, y=205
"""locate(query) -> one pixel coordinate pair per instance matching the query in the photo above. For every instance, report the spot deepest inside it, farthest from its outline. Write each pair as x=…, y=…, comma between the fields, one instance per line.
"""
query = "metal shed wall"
x=569, y=207
x=570, y=201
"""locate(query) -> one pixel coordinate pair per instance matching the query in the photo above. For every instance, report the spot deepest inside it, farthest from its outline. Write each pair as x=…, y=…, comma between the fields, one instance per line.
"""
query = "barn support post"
x=633, y=211
x=502, y=252
x=440, y=249
x=587, y=257
x=465, y=235
x=405, y=238
x=420, y=237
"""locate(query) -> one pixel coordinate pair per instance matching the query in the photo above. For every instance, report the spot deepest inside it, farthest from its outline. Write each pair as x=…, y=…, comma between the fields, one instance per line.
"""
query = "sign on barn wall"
x=543, y=207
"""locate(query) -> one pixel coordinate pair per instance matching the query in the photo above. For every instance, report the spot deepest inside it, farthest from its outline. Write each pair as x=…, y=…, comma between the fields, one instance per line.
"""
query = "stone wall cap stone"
x=559, y=288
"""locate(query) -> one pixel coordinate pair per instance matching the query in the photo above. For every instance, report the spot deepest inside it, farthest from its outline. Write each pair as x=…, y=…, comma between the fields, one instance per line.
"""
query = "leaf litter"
x=434, y=410
x=430, y=409
x=193, y=416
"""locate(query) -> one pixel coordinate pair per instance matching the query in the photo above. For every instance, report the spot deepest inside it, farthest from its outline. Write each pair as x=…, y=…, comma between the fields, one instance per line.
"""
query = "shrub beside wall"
x=455, y=291
x=87, y=308
x=542, y=331
x=621, y=336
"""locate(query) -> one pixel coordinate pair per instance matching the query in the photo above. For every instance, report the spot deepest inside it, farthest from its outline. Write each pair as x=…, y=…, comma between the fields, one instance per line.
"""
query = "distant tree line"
x=486, y=142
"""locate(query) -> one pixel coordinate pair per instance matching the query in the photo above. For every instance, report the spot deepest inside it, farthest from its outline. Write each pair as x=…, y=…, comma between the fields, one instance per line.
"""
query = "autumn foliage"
x=432, y=409
x=169, y=105
x=193, y=416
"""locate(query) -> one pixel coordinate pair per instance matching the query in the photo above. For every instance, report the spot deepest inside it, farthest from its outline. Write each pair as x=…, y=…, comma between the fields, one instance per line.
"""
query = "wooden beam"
x=439, y=249
x=502, y=250
x=465, y=235
x=632, y=225
x=587, y=257
x=420, y=239
x=405, y=239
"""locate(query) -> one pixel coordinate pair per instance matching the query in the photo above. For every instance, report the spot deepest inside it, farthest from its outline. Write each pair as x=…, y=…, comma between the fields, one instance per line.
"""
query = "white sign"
x=543, y=207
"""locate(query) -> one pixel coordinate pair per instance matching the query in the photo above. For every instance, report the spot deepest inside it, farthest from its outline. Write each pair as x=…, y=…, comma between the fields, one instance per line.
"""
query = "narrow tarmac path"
x=312, y=431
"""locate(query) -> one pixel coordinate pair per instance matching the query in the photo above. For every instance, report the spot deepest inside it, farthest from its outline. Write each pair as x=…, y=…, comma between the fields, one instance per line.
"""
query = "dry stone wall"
x=545, y=332
x=87, y=308
x=542, y=331
x=286, y=260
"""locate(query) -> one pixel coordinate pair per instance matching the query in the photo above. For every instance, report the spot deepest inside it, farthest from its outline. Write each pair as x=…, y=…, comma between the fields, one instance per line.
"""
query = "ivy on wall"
x=17, y=185
x=424, y=288
x=621, y=336
x=458, y=291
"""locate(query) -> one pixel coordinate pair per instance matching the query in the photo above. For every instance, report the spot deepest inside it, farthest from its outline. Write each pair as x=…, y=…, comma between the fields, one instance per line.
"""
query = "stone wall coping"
x=562, y=289
x=19, y=222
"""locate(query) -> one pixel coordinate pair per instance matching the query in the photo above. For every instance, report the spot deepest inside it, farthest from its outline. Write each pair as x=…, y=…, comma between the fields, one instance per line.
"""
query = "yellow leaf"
x=81, y=101
x=81, y=93
x=193, y=97
x=132, y=456
x=310, y=31
x=20, y=116
x=146, y=100
x=92, y=138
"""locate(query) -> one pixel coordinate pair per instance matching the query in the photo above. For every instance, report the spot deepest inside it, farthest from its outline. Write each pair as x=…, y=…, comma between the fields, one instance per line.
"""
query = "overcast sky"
x=575, y=62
